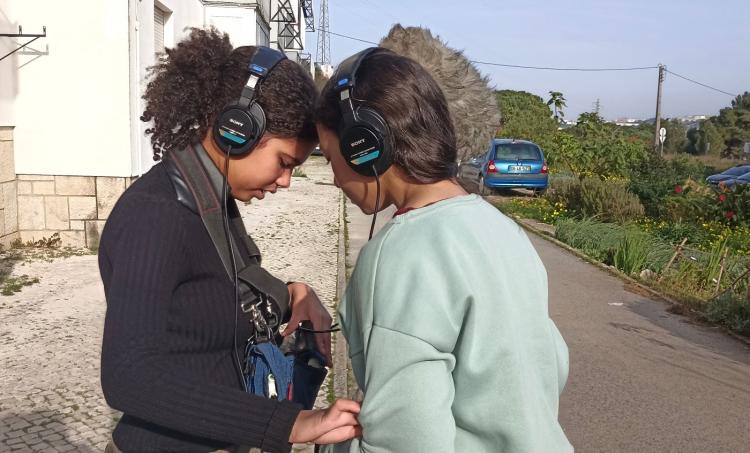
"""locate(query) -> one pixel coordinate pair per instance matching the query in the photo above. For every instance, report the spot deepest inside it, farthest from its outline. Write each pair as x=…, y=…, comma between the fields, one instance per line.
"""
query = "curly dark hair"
x=196, y=79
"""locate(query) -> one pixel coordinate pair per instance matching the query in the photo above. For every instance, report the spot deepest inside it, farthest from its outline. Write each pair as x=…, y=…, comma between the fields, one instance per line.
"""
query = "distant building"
x=628, y=122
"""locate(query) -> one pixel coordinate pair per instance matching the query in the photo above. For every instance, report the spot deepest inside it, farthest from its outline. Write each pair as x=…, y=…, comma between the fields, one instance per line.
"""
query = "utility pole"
x=657, y=123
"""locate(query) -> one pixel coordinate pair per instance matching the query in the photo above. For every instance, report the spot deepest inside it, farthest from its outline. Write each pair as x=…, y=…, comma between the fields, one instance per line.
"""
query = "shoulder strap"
x=198, y=184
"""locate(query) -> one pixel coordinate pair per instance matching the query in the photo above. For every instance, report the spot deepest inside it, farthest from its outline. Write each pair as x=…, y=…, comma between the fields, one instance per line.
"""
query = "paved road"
x=641, y=379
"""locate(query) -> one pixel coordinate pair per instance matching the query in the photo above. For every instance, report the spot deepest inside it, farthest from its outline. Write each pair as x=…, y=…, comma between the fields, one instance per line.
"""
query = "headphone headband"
x=261, y=64
x=242, y=123
x=347, y=72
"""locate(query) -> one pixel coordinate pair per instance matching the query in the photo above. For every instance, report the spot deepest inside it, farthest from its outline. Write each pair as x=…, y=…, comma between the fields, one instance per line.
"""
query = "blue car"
x=729, y=174
x=507, y=164
x=744, y=179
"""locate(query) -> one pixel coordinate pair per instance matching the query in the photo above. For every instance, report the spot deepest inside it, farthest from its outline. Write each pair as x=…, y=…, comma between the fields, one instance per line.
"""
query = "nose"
x=285, y=179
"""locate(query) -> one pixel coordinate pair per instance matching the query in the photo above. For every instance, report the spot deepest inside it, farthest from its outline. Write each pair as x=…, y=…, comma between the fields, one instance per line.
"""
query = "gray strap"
x=204, y=182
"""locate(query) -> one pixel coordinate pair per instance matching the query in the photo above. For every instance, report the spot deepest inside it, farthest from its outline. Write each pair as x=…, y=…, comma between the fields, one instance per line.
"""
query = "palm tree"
x=557, y=101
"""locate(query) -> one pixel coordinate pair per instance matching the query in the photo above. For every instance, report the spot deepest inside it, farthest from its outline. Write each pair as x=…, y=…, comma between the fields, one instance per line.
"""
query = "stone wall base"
x=8, y=190
x=76, y=207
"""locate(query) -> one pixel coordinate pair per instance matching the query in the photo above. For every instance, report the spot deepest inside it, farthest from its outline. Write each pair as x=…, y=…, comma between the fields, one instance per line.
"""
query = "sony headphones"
x=363, y=135
x=240, y=125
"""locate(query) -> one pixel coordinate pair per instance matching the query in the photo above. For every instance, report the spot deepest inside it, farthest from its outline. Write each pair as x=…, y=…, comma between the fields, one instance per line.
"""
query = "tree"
x=589, y=118
x=709, y=140
x=734, y=123
x=525, y=116
x=723, y=135
x=596, y=148
x=557, y=101
x=676, y=141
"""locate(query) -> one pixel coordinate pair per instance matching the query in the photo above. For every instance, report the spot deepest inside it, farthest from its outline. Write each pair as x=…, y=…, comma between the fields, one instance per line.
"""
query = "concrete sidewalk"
x=356, y=236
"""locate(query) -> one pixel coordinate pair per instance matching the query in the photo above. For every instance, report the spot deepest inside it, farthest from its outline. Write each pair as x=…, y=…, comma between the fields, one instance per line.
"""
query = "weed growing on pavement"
x=45, y=249
x=11, y=285
x=299, y=173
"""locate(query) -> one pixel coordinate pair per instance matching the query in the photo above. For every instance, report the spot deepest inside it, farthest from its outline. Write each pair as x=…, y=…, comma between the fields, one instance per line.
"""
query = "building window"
x=160, y=17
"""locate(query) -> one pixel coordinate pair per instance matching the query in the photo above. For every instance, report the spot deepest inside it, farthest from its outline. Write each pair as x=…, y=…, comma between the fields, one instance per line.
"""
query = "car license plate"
x=519, y=168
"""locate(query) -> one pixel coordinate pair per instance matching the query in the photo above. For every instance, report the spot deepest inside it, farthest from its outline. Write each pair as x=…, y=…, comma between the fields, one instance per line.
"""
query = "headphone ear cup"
x=259, y=120
x=239, y=129
x=373, y=120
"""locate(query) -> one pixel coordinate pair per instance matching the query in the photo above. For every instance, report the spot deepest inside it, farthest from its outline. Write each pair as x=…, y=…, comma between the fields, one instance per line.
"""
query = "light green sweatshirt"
x=450, y=339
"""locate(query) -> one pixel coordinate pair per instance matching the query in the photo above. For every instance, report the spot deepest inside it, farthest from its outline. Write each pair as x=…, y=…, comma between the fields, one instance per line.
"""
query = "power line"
x=701, y=84
x=513, y=65
x=348, y=37
x=548, y=68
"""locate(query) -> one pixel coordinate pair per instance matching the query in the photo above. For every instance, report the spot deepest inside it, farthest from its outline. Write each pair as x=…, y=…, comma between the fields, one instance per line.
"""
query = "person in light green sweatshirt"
x=446, y=310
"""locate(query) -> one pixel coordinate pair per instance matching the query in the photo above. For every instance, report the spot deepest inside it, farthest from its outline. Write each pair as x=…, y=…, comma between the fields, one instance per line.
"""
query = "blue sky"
x=708, y=41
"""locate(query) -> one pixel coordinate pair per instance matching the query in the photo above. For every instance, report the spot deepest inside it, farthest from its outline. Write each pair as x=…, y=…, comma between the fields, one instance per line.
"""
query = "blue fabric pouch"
x=286, y=372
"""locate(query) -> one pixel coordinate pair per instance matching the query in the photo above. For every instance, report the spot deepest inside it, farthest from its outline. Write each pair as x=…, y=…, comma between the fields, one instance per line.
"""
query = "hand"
x=306, y=306
x=336, y=424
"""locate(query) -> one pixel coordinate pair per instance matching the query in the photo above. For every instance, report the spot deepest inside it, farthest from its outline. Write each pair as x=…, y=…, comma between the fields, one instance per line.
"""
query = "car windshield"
x=517, y=151
x=736, y=171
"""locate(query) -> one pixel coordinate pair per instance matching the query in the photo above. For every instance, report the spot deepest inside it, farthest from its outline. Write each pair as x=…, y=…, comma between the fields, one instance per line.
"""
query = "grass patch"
x=12, y=285
x=299, y=173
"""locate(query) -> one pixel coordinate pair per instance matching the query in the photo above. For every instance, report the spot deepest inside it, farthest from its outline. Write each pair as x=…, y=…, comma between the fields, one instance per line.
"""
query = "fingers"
x=346, y=405
x=293, y=323
x=340, y=418
x=323, y=342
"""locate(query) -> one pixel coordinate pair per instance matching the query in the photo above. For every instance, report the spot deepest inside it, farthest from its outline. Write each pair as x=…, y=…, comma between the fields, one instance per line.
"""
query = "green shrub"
x=628, y=248
x=532, y=208
x=656, y=178
x=632, y=253
x=734, y=205
x=608, y=201
x=595, y=239
x=731, y=310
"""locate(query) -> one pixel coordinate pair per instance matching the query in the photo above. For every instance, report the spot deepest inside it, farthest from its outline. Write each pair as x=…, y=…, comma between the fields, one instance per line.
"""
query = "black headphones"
x=239, y=127
x=363, y=135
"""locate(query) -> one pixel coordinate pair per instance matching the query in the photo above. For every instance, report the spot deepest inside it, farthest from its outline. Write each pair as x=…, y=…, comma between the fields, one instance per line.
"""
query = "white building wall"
x=69, y=106
x=238, y=22
x=182, y=14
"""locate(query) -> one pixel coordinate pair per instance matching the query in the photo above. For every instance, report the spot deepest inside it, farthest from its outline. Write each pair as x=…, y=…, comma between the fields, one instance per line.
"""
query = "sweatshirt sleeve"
x=408, y=397
x=142, y=264
x=402, y=325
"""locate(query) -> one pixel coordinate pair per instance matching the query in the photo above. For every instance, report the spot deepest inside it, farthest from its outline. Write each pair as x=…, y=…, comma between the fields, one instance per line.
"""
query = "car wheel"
x=483, y=190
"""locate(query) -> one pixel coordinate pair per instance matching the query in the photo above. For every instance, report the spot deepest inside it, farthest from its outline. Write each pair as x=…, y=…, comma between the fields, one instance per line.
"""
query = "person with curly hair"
x=172, y=327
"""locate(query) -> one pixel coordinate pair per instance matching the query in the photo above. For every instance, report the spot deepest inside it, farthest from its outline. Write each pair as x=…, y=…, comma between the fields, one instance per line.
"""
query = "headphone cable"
x=377, y=202
x=224, y=199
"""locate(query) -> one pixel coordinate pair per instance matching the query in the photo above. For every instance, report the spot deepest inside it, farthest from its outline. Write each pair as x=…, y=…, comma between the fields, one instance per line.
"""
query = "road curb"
x=526, y=225
x=340, y=352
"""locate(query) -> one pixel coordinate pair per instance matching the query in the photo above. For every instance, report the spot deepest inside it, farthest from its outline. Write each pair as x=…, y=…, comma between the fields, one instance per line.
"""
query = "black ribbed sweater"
x=167, y=354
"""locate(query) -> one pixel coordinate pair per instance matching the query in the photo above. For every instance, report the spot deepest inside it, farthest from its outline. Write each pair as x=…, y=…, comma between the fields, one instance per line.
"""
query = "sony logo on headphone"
x=358, y=142
x=234, y=121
